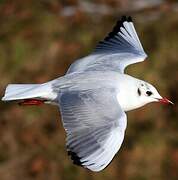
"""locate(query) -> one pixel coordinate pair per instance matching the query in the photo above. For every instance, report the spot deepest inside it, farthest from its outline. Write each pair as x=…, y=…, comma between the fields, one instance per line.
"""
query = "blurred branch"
x=96, y=9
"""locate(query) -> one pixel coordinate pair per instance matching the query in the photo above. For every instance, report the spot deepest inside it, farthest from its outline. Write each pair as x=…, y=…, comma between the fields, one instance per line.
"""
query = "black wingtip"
x=75, y=158
x=125, y=18
x=117, y=27
x=129, y=19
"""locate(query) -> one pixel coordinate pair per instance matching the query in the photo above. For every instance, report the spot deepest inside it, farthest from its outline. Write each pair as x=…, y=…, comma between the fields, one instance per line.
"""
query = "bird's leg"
x=31, y=102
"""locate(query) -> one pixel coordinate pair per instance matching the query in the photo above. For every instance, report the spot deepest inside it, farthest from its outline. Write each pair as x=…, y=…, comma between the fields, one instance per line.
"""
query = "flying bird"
x=94, y=96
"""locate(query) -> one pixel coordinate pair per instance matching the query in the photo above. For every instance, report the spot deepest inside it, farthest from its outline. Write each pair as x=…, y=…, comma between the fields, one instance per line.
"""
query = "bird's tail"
x=31, y=92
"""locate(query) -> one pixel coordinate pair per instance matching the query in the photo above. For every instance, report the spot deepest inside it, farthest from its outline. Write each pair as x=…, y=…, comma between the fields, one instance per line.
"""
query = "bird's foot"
x=31, y=102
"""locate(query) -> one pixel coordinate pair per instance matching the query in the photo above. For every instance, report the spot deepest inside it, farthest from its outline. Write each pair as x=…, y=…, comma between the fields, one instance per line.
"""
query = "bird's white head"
x=135, y=93
x=147, y=93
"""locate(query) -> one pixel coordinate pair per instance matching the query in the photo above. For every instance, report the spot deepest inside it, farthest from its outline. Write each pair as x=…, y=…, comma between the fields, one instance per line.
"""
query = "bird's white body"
x=124, y=85
x=94, y=95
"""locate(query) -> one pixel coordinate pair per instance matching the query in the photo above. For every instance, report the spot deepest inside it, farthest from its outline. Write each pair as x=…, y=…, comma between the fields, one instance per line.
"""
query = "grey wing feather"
x=95, y=126
x=119, y=49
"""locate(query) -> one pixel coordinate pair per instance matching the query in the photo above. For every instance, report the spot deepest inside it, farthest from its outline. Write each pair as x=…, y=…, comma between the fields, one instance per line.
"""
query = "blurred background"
x=38, y=42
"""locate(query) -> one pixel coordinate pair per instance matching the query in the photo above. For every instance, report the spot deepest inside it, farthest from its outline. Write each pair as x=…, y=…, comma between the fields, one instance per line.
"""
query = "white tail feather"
x=27, y=91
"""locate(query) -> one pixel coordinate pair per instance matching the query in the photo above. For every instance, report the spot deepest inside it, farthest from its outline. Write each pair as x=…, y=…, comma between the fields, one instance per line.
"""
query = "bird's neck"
x=128, y=97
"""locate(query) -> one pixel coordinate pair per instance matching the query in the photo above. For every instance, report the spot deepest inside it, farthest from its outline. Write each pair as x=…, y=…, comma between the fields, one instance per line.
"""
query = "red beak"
x=165, y=101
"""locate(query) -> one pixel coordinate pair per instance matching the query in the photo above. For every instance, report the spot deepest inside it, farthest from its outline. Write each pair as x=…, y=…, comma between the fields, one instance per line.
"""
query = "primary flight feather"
x=94, y=95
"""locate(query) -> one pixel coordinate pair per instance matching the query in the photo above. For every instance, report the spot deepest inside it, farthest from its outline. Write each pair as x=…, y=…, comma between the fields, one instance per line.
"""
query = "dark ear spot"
x=139, y=92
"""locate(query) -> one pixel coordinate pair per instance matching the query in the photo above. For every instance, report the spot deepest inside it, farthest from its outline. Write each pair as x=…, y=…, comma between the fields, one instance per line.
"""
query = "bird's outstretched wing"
x=119, y=49
x=95, y=126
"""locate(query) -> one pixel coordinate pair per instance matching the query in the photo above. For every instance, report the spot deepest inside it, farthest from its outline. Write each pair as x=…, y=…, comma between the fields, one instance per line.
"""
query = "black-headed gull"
x=94, y=95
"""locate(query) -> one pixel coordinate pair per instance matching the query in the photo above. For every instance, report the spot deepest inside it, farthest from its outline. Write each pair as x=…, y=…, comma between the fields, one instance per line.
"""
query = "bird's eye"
x=149, y=93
